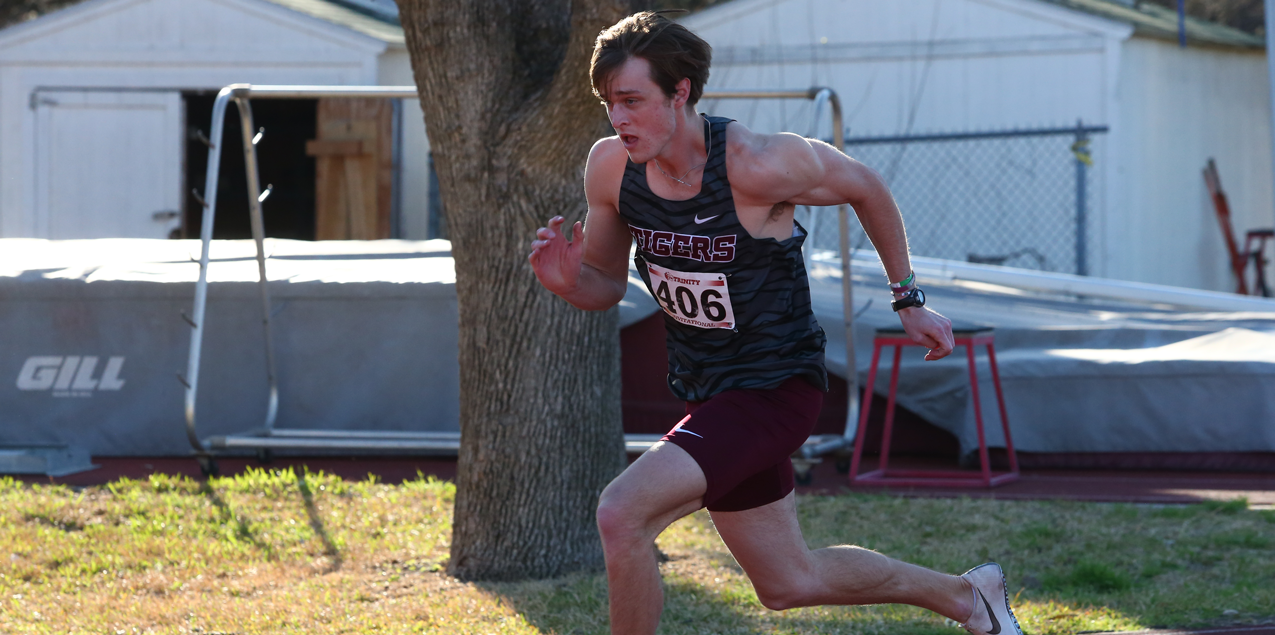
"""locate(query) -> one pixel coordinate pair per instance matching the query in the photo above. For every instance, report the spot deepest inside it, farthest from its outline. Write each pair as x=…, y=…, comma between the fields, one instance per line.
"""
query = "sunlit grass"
x=288, y=552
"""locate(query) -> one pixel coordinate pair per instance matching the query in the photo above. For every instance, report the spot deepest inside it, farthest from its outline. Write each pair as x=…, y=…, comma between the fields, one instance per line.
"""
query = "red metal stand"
x=932, y=478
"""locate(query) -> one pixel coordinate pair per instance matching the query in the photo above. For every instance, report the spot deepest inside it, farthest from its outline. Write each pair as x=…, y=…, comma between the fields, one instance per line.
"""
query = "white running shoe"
x=992, y=614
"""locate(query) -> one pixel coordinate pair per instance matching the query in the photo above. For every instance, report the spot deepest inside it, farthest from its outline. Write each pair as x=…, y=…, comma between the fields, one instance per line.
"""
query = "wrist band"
x=905, y=283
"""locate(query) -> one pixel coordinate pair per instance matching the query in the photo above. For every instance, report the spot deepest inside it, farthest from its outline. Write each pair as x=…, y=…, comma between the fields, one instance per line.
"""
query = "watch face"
x=920, y=297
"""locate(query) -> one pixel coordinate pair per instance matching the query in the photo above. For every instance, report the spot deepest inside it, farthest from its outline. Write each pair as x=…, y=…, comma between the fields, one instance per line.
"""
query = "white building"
x=927, y=66
x=101, y=106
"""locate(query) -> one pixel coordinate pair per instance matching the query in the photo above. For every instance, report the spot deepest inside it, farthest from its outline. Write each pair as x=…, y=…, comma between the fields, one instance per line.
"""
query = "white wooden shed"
x=102, y=104
x=908, y=67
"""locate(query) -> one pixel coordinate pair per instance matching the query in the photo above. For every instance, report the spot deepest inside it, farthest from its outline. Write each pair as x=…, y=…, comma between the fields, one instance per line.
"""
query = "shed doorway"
x=331, y=163
x=289, y=212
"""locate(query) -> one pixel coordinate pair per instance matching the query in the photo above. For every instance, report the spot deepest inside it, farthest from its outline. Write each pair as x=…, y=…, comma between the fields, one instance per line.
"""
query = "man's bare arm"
x=591, y=271
x=839, y=179
x=844, y=180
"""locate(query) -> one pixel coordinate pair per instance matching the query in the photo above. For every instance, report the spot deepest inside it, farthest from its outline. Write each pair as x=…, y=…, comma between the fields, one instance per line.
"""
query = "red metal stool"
x=932, y=478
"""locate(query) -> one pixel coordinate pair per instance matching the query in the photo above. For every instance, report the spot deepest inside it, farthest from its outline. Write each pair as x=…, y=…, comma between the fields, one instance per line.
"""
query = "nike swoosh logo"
x=678, y=428
x=996, y=626
x=699, y=221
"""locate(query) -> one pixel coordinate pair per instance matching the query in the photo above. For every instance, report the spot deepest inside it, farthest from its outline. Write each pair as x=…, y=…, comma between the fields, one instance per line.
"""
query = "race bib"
x=695, y=299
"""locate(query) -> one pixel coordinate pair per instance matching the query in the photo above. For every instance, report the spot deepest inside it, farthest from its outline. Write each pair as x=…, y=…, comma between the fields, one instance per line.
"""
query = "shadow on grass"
x=316, y=524
x=1072, y=568
x=577, y=605
x=242, y=530
x=692, y=608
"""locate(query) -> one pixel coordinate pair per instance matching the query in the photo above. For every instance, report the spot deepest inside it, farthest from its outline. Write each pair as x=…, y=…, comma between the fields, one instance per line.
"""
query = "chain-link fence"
x=1022, y=198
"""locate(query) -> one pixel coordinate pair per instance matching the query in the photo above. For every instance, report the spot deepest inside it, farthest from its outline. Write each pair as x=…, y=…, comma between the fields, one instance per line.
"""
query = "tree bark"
x=505, y=89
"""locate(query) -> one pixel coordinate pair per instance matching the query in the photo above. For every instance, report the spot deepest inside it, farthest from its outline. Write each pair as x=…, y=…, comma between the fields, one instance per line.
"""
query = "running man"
x=710, y=205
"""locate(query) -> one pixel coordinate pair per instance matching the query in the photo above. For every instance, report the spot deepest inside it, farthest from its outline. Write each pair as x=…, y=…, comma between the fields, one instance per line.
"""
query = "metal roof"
x=377, y=19
x=1153, y=20
x=1147, y=18
x=374, y=19
x=377, y=24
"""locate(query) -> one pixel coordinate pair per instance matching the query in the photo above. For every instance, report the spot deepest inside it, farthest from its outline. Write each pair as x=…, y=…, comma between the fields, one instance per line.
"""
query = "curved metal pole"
x=847, y=289
x=821, y=94
x=809, y=93
x=847, y=283
x=266, y=91
x=1270, y=68
x=255, y=198
x=820, y=102
x=238, y=93
x=191, y=379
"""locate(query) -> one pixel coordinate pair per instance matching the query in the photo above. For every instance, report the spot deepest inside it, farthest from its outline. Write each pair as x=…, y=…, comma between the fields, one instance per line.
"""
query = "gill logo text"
x=70, y=376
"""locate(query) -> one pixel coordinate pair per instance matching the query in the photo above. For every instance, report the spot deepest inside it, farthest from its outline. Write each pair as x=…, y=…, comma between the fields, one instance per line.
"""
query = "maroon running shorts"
x=742, y=440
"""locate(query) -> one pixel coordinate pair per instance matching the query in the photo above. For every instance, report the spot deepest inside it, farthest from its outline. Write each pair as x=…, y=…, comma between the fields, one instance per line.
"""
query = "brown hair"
x=671, y=49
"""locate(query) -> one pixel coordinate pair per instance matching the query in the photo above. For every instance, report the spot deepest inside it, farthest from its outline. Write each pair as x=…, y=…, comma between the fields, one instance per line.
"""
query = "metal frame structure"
x=268, y=438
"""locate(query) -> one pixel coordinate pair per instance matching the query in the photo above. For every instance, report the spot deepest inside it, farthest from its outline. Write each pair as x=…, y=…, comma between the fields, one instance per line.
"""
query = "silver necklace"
x=688, y=172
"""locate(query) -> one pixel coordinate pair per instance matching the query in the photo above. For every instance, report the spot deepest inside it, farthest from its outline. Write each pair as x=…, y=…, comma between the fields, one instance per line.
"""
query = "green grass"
x=287, y=552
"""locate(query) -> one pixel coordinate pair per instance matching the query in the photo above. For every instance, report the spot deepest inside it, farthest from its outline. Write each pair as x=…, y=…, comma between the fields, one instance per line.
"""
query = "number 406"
x=689, y=304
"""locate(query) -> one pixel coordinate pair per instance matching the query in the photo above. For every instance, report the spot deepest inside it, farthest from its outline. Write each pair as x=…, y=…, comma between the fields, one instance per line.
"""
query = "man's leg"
x=662, y=485
x=767, y=543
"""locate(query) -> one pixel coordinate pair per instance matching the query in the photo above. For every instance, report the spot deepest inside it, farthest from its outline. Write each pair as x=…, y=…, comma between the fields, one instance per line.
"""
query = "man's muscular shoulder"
x=608, y=149
x=604, y=171
x=770, y=167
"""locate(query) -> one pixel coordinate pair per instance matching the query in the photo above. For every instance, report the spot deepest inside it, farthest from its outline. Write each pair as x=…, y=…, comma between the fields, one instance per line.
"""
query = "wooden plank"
x=321, y=148
x=1223, y=209
x=353, y=189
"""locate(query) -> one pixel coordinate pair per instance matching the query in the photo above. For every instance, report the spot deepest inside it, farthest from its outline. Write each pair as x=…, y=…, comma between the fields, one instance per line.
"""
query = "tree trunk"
x=505, y=89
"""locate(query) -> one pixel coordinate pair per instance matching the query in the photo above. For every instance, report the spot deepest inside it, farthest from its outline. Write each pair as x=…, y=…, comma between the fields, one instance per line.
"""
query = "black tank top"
x=736, y=308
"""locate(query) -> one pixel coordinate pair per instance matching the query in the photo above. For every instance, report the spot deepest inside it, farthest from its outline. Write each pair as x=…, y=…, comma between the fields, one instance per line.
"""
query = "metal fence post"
x=1083, y=159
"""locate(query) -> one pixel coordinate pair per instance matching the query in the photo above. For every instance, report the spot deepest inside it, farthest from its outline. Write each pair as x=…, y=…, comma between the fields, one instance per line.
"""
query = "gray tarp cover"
x=366, y=335
x=1079, y=375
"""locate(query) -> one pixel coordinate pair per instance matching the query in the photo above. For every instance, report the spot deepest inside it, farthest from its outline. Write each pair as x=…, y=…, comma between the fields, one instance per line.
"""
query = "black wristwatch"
x=915, y=297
